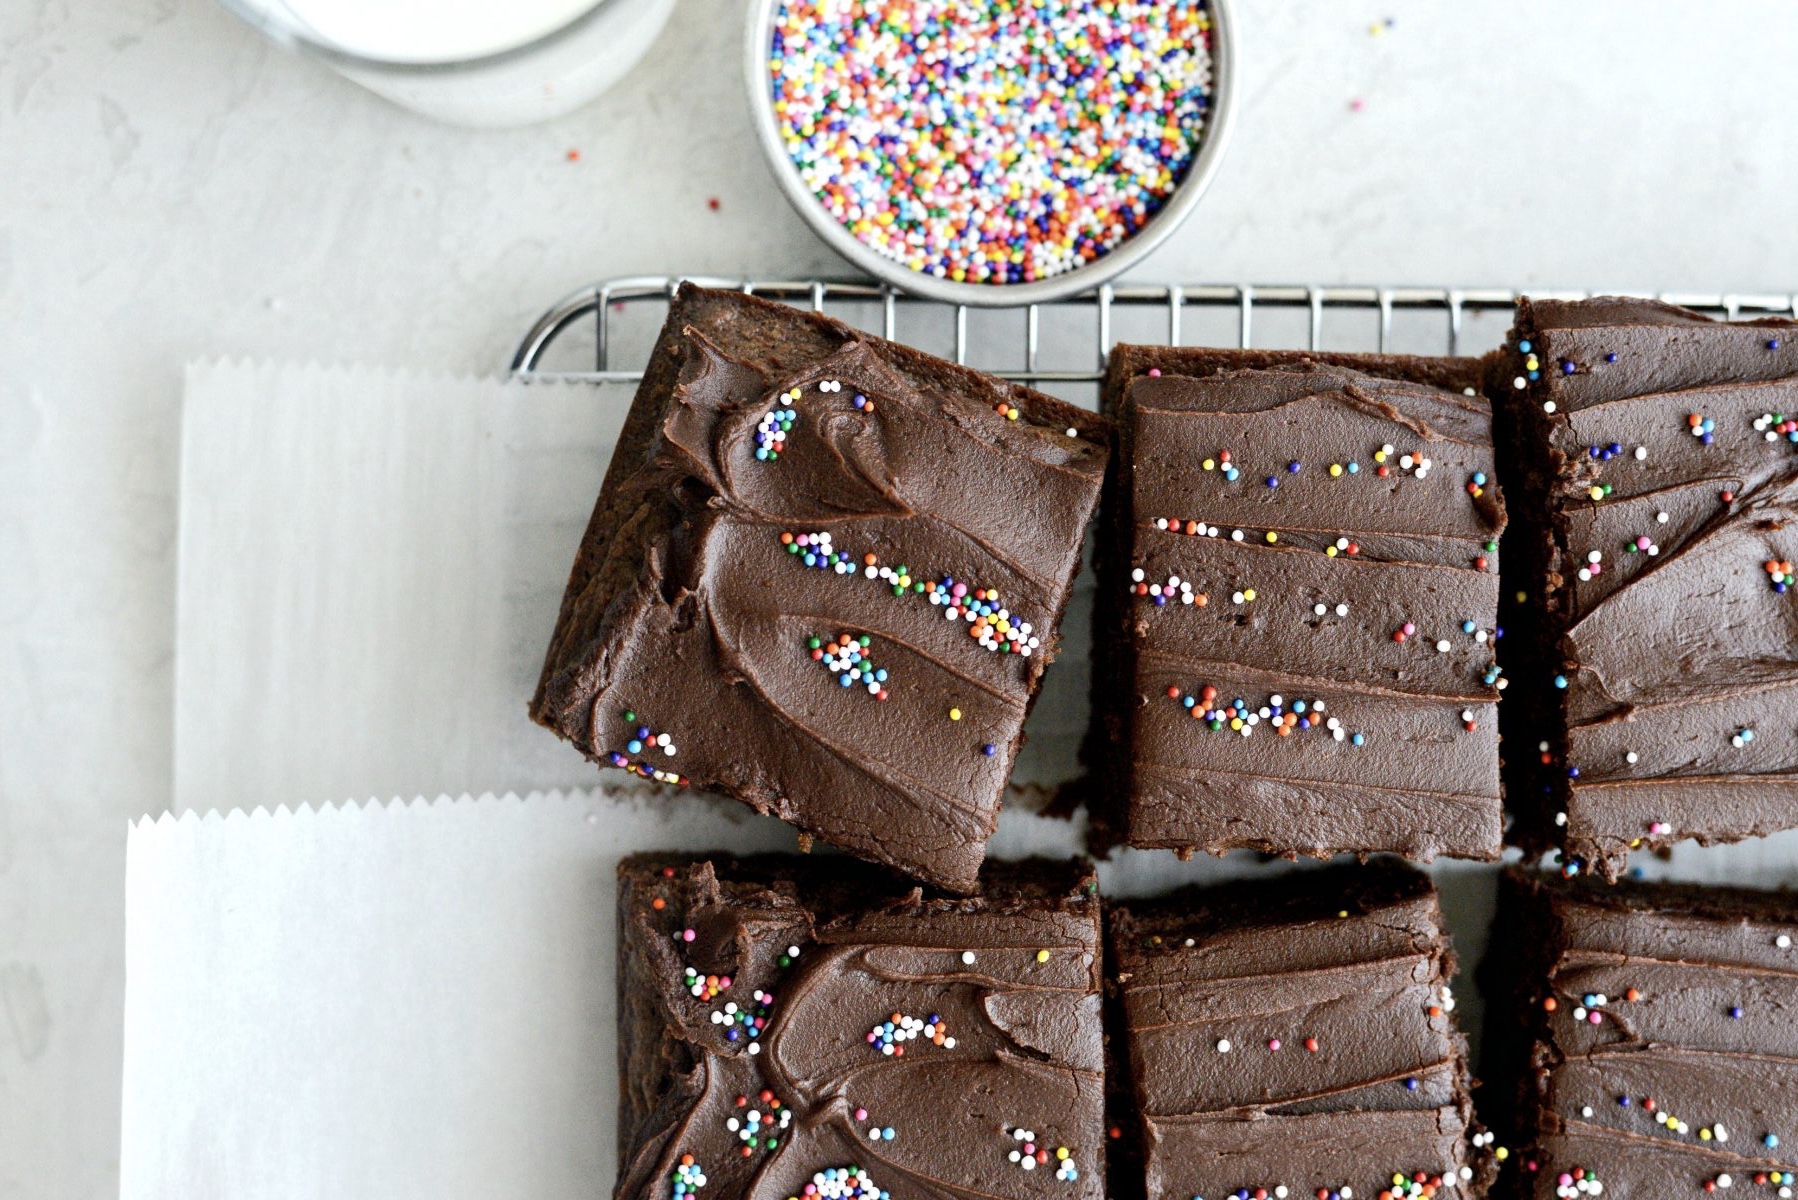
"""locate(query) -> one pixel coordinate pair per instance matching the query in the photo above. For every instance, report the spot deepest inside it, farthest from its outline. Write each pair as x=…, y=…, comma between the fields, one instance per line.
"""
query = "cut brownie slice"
x=1300, y=605
x=1655, y=464
x=1294, y=1038
x=1650, y=1046
x=823, y=577
x=787, y=1022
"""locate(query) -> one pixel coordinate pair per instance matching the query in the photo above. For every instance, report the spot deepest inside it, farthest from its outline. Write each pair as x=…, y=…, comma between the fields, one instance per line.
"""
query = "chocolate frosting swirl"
x=1009, y=983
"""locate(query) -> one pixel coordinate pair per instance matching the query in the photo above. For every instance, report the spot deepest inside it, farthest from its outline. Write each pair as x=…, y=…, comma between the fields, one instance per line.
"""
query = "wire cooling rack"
x=603, y=333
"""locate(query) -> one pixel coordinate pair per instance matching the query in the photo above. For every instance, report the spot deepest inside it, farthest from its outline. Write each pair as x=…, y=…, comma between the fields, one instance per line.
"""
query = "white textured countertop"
x=172, y=188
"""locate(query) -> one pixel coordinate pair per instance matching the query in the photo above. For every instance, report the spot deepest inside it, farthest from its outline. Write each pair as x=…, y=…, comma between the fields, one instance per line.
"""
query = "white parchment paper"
x=370, y=565
x=391, y=1001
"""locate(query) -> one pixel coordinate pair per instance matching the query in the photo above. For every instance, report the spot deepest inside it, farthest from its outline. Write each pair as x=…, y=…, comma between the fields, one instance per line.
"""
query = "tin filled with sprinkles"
x=992, y=152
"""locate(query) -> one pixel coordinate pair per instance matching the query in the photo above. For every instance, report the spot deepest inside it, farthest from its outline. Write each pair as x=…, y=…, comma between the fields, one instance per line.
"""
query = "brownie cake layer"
x=1656, y=470
x=1650, y=1048
x=1294, y=1037
x=789, y=1021
x=1301, y=640
x=758, y=607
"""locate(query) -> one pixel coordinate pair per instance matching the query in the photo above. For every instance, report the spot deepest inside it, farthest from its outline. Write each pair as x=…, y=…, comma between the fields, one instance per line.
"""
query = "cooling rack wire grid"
x=602, y=333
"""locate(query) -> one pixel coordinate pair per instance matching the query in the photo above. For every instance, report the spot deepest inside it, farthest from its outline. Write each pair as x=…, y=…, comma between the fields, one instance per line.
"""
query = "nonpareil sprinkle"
x=987, y=141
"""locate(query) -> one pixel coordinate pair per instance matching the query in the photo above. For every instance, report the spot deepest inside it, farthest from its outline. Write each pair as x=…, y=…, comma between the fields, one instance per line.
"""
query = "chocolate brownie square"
x=824, y=577
x=1299, y=605
x=791, y=1023
x=1641, y=1041
x=1656, y=475
x=1294, y=1038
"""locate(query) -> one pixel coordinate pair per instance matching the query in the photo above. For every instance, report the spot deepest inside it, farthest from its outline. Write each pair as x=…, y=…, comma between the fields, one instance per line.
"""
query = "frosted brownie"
x=1655, y=474
x=788, y=1023
x=824, y=576
x=1294, y=1038
x=1300, y=592
x=1640, y=1038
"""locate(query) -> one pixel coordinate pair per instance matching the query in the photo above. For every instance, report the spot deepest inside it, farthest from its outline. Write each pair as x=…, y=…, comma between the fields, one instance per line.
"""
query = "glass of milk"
x=470, y=62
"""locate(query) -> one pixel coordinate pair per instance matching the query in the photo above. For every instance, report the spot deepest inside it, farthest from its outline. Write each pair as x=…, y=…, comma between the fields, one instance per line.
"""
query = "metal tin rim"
x=988, y=295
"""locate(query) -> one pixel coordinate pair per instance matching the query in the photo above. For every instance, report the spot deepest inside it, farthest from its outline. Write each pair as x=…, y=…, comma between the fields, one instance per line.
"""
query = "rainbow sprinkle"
x=1240, y=717
x=746, y=1021
x=985, y=141
x=1774, y=426
x=1413, y=464
x=1607, y=452
x=688, y=1177
x=704, y=987
x=1028, y=1156
x=890, y=1036
x=1419, y=1184
x=645, y=741
x=1783, y=1180
x=846, y=656
x=771, y=431
x=757, y=1126
x=1578, y=1182
x=1175, y=588
x=841, y=1183
x=990, y=623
